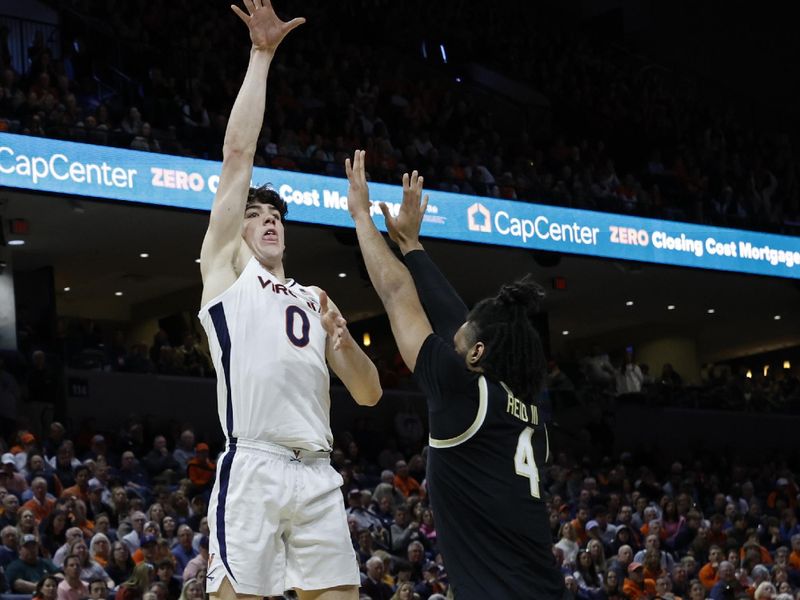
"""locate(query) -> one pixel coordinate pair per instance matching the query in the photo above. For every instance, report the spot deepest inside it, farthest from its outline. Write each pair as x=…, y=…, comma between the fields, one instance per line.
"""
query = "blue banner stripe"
x=156, y=179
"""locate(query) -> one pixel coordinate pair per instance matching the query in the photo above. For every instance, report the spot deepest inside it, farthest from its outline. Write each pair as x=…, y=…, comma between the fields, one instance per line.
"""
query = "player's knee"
x=225, y=591
x=343, y=592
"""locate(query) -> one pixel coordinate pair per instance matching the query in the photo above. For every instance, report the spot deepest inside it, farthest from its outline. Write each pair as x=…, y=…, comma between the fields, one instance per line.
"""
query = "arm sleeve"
x=445, y=309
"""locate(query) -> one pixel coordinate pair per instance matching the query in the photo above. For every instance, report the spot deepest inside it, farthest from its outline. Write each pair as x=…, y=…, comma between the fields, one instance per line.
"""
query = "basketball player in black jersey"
x=481, y=371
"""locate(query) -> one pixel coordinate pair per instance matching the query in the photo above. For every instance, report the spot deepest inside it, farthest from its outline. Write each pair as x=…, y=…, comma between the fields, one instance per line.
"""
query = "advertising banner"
x=163, y=180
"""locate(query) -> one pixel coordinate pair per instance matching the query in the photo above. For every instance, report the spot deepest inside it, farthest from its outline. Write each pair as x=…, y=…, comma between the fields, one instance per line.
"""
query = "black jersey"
x=485, y=455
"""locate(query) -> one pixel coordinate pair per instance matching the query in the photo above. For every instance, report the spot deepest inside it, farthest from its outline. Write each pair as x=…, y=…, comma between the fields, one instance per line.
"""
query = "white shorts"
x=278, y=522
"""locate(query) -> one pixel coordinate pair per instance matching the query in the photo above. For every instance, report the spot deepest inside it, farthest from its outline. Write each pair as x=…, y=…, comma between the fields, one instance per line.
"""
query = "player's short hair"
x=513, y=350
x=266, y=194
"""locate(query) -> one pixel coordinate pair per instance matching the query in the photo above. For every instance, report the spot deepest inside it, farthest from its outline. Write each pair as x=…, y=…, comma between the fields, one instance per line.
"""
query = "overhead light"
x=342, y=275
x=711, y=311
x=66, y=289
x=670, y=307
x=366, y=340
x=197, y=260
x=787, y=364
x=144, y=255
x=565, y=332
x=777, y=317
x=16, y=242
x=766, y=370
x=749, y=374
x=629, y=303
x=118, y=293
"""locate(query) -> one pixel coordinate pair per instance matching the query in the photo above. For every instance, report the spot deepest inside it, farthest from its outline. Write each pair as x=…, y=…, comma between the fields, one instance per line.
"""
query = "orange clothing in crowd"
x=648, y=574
x=794, y=559
x=708, y=575
x=633, y=591
x=766, y=557
x=40, y=511
x=74, y=490
x=580, y=532
x=200, y=471
x=407, y=486
x=645, y=529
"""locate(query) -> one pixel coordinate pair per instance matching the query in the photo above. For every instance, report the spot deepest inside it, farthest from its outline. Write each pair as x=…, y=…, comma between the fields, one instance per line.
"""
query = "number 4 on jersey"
x=524, y=462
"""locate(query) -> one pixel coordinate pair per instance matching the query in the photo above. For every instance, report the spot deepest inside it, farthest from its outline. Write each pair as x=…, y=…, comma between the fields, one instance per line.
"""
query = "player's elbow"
x=238, y=149
x=398, y=293
x=370, y=393
x=370, y=397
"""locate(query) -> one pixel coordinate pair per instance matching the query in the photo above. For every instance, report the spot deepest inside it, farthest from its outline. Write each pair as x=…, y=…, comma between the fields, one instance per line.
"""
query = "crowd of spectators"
x=80, y=511
x=720, y=386
x=94, y=513
x=617, y=136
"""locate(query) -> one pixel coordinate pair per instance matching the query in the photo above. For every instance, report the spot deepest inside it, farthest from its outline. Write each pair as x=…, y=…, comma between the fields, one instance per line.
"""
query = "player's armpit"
x=410, y=325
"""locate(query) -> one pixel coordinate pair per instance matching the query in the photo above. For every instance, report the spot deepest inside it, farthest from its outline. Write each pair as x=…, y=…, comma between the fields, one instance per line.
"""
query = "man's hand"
x=358, y=192
x=266, y=29
x=404, y=228
x=334, y=324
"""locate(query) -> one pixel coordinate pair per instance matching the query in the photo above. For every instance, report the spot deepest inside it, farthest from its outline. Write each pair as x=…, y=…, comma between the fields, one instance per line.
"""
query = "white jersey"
x=268, y=347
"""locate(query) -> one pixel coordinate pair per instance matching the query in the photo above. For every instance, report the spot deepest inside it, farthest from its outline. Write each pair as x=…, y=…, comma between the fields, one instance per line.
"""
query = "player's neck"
x=276, y=269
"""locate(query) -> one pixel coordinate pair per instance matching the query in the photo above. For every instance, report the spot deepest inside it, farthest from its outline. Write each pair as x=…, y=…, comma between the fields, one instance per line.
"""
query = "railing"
x=22, y=35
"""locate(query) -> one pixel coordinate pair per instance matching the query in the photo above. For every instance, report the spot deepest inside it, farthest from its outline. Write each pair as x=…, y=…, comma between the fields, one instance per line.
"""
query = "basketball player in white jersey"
x=276, y=513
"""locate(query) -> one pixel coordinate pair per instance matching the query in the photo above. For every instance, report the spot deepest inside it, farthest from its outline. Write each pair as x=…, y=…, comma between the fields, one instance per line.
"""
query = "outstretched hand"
x=358, y=192
x=334, y=323
x=266, y=29
x=404, y=228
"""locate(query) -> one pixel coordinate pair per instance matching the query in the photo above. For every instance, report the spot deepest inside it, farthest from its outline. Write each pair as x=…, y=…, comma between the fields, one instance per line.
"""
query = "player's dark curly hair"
x=266, y=195
x=513, y=351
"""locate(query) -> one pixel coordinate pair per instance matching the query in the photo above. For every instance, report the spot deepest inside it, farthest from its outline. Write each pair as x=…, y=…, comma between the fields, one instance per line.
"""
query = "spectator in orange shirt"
x=648, y=514
x=200, y=469
x=42, y=504
x=148, y=551
x=752, y=553
x=636, y=587
x=794, y=557
x=785, y=496
x=406, y=484
x=709, y=572
x=652, y=564
x=81, y=488
x=579, y=524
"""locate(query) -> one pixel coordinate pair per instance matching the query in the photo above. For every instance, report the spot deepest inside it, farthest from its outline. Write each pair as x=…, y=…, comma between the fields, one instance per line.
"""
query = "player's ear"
x=475, y=354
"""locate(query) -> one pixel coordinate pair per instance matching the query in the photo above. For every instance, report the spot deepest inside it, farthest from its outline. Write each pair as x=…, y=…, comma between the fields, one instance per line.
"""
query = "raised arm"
x=445, y=309
x=223, y=238
x=389, y=276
